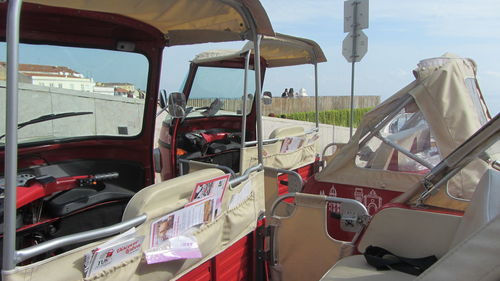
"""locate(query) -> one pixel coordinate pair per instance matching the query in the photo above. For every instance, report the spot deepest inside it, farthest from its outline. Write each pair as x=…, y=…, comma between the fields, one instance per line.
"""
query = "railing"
x=24, y=254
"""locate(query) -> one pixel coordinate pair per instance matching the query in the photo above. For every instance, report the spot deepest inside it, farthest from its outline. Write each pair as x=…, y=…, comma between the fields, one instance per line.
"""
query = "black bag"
x=382, y=259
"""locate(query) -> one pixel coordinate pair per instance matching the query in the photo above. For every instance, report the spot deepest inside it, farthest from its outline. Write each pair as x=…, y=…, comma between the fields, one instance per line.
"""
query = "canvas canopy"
x=184, y=21
x=447, y=95
x=286, y=50
x=280, y=50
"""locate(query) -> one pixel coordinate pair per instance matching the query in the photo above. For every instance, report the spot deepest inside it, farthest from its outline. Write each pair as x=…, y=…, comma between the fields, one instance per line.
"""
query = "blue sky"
x=400, y=34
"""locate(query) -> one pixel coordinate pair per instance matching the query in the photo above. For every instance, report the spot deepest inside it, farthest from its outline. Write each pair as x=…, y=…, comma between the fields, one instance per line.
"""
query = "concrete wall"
x=109, y=112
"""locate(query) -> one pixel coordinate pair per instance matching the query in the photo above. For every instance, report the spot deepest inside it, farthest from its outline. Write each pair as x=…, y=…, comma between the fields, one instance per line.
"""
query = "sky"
x=400, y=34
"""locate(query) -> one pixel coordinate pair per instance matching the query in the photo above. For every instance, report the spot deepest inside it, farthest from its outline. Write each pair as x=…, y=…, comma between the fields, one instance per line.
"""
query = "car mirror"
x=267, y=98
x=177, y=105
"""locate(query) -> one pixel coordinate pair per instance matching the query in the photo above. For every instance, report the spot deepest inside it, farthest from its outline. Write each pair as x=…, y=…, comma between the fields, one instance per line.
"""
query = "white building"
x=57, y=76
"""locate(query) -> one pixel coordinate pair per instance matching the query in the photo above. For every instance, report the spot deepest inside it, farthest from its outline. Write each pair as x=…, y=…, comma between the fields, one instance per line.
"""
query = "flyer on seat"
x=178, y=222
x=118, y=249
x=213, y=187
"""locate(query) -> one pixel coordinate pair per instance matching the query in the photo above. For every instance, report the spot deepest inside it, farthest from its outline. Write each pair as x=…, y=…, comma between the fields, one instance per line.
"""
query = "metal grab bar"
x=245, y=176
x=404, y=151
x=326, y=148
x=328, y=199
x=24, y=254
x=295, y=182
x=268, y=141
x=209, y=165
x=353, y=218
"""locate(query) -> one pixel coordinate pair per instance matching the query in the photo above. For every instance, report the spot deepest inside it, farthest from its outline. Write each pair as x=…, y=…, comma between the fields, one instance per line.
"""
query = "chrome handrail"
x=33, y=251
x=209, y=165
x=269, y=141
x=245, y=176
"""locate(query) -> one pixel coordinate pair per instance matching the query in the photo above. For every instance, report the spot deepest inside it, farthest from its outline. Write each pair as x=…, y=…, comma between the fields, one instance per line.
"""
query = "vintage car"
x=80, y=203
x=216, y=127
x=401, y=183
x=82, y=84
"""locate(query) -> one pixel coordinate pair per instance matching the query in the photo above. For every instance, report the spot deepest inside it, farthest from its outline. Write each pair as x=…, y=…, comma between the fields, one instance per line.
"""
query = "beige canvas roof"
x=184, y=21
x=286, y=50
x=279, y=50
x=442, y=95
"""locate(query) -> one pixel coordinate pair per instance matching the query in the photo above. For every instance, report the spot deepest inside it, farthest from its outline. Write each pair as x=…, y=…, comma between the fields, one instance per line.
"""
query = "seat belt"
x=382, y=259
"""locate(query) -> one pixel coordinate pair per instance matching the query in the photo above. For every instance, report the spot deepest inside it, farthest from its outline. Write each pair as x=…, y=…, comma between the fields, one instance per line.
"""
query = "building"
x=67, y=78
x=55, y=76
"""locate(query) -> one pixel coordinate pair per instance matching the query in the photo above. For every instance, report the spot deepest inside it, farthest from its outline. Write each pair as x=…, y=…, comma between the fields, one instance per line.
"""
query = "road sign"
x=360, y=18
x=355, y=55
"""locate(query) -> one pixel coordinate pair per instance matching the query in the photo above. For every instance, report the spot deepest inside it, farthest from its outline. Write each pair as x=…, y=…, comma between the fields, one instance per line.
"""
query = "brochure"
x=178, y=222
x=214, y=187
x=112, y=252
x=291, y=144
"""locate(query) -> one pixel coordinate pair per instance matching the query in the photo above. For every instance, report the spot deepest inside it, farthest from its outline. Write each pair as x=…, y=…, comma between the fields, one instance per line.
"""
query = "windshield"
x=108, y=86
x=226, y=84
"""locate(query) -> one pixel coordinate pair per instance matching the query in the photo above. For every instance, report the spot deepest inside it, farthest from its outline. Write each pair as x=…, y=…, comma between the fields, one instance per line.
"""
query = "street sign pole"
x=354, y=55
x=355, y=45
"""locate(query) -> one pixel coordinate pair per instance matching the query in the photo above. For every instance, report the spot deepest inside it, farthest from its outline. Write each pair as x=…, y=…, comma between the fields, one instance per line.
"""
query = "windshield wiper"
x=49, y=117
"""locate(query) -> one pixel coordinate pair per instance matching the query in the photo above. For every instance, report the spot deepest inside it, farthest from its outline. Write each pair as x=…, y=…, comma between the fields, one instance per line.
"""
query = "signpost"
x=355, y=45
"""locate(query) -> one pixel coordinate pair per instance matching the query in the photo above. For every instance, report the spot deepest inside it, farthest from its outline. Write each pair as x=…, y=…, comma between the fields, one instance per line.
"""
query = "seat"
x=473, y=252
x=303, y=234
x=289, y=131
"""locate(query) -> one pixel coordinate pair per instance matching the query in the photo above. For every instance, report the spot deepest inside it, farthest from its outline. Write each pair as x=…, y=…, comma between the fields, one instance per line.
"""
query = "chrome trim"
x=269, y=141
x=33, y=251
x=209, y=165
x=404, y=151
x=258, y=97
x=328, y=199
x=234, y=182
x=316, y=93
x=10, y=173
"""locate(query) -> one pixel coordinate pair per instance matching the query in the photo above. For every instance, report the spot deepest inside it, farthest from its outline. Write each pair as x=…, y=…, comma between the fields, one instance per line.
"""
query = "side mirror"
x=163, y=99
x=267, y=98
x=177, y=105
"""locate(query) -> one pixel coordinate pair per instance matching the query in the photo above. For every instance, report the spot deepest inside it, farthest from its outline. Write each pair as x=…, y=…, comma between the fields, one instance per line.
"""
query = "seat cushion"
x=355, y=268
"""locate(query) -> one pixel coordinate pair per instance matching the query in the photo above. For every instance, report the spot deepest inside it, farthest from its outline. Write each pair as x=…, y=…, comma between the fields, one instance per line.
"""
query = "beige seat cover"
x=156, y=201
x=474, y=254
x=304, y=249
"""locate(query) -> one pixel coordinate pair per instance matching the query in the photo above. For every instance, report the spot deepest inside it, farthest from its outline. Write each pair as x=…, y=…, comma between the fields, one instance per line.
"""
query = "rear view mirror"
x=177, y=105
x=267, y=98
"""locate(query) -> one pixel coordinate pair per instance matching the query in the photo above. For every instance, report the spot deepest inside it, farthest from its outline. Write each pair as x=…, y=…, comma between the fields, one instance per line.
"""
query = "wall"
x=109, y=112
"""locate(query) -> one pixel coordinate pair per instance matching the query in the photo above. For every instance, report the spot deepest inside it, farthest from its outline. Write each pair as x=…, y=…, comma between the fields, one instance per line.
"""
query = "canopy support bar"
x=9, y=231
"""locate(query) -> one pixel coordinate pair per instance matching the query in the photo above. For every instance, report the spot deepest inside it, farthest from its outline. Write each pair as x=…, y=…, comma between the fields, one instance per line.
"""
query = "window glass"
x=474, y=93
x=226, y=84
x=404, y=144
x=56, y=79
